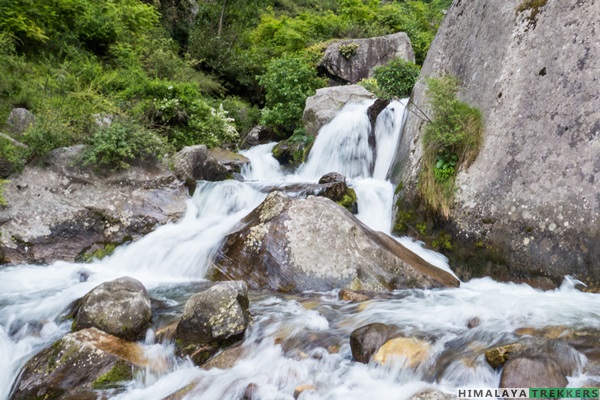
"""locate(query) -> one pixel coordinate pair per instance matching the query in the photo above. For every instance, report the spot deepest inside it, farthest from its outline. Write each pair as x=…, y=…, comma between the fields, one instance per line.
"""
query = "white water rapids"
x=280, y=351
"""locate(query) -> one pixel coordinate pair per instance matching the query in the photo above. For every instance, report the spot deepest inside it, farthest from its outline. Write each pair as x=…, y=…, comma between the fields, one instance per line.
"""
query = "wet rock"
x=120, y=307
x=324, y=105
x=433, y=395
x=301, y=389
x=496, y=357
x=166, y=333
x=59, y=210
x=251, y=392
x=334, y=187
x=526, y=372
x=355, y=59
x=83, y=360
x=350, y=295
x=18, y=121
x=411, y=352
x=541, y=142
x=226, y=359
x=282, y=246
x=212, y=319
x=258, y=135
x=289, y=152
x=309, y=344
x=584, y=340
x=366, y=341
x=473, y=322
x=195, y=163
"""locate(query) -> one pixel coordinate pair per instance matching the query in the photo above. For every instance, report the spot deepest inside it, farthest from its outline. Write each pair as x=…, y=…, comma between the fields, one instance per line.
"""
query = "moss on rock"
x=115, y=377
x=349, y=201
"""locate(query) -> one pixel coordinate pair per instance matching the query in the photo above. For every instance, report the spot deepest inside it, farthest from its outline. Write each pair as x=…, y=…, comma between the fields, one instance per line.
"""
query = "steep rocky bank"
x=530, y=200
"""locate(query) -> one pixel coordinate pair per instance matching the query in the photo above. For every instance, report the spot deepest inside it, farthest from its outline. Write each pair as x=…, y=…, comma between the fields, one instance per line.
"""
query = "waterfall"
x=34, y=299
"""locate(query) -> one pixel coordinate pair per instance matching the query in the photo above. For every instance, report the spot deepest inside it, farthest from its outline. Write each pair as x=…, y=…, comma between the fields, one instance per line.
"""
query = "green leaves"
x=397, y=78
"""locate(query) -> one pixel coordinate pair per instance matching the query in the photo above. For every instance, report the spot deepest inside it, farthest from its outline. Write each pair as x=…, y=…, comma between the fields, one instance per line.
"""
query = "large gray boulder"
x=355, y=59
x=60, y=210
x=79, y=363
x=293, y=245
x=212, y=319
x=324, y=105
x=532, y=195
x=120, y=307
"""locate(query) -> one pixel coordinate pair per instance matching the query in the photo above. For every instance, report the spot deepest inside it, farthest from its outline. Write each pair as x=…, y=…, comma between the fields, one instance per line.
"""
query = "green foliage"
x=372, y=86
x=245, y=116
x=118, y=145
x=397, y=78
x=288, y=81
x=452, y=140
x=12, y=156
x=2, y=199
x=100, y=253
x=349, y=50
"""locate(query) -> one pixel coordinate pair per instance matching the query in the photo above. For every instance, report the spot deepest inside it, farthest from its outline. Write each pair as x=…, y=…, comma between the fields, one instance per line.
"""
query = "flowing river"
x=294, y=340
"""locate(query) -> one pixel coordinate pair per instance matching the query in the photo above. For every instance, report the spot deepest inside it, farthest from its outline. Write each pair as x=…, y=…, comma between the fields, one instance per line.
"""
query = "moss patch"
x=349, y=200
x=533, y=5
x=119, y=373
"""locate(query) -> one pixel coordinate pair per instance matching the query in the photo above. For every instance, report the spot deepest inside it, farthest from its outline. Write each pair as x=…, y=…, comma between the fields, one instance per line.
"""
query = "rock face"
x=18, y=121
x=532, y=194
x=324, y=105
x=120, y=307
x=293, y=245
x=195, y=163
x=60, y=210
x=212, y=319
x=76, y=364
x=355, y=59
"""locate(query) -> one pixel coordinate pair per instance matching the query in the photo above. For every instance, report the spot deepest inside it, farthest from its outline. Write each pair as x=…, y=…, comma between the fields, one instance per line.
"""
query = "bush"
x=115, y=147
x=397, y=78
x=288, y=81
x=12, y=157
x=451, y=141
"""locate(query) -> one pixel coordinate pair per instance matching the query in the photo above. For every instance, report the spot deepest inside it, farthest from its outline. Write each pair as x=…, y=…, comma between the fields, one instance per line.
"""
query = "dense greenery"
x=168, y=77
x=397, y=78
x=452, y=140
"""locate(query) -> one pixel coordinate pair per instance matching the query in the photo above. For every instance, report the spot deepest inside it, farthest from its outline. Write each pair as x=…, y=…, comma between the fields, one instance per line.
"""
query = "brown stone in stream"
x=301, y=389
x=366, y=340
x=166, y=333
x=411, y=351
x=251, y=392
x=496, y=357
x=473, y=322
x=526, y=372
x=226, y=359
x=351, y=295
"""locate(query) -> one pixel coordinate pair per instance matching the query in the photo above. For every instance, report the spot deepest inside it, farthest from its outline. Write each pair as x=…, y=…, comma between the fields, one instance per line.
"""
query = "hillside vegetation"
x=169, y=73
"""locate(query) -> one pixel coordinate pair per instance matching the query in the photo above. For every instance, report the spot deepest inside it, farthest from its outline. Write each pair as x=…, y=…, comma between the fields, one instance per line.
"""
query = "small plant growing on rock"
x=397, y=78
x=452, y=140
x=349, y=50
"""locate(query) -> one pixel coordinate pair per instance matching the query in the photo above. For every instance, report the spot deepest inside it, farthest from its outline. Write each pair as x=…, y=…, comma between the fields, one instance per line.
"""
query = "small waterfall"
x=263, y=166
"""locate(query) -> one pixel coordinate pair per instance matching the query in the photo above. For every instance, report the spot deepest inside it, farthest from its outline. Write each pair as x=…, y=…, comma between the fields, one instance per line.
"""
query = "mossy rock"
x=349, y=201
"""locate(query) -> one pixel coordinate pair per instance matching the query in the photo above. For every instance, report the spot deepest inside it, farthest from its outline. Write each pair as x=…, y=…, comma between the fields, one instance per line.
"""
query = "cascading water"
x=295, y=340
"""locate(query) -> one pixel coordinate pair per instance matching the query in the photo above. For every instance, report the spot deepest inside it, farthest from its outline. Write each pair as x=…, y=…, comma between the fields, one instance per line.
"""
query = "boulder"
x=411, y=352
x=527, y=372
x=61, y=209
x=532, y=194
x=212, y=319
x=258, y=135
x=334, y=187
x=366, y=341
x=321, y=108
x=282, y=246
x=18, y=121
x=194, y=163
x=352, y=60
x=78, y=363
x=289, y=152
x=120, y=307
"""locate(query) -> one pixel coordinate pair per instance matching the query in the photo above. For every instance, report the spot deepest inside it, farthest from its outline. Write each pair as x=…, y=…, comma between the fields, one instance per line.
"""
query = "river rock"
x=532, y=194
x=195, y=163
x=351, y=295
x=120, y=307
x=352, y=60
x=61, y=209
x=411, y=352
x=324, y=105
x=18, y=121
x=257, y=135
x=226, y=359
x=76, y=364
x=367, y=340
x=526, y=372
x=212, y=319
x=293, y=245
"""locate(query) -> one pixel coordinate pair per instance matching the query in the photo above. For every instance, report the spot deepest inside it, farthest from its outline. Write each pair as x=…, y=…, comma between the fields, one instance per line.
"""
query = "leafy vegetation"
x=169, y=76
x=397, y=78
x=451, y=141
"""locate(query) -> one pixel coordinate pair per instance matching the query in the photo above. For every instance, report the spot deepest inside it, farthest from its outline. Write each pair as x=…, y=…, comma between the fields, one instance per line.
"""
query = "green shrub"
x=288, y=81
x=397, y=78
x=245, y=116
x=115, y=147
x=349, y=50
x=451, y=141
x=2, y=199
